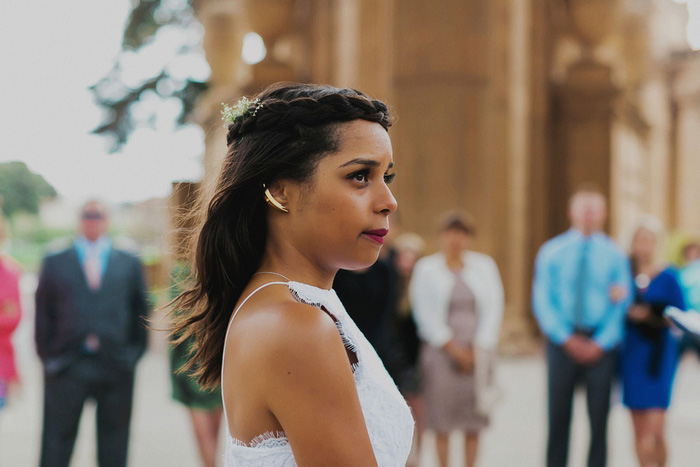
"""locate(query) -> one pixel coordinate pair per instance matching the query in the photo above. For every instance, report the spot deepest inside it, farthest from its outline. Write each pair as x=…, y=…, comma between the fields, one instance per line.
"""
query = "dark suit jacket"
x=68, y=310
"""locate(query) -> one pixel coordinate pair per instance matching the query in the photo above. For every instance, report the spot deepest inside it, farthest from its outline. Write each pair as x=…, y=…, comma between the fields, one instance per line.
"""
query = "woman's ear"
x=278, y=190
x=278, y=194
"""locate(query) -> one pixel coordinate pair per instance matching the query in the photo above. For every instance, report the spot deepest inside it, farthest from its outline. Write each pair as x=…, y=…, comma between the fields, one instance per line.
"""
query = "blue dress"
x=649, y=354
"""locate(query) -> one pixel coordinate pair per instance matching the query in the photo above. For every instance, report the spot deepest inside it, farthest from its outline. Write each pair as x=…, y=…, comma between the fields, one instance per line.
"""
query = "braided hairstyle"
x=293, y=126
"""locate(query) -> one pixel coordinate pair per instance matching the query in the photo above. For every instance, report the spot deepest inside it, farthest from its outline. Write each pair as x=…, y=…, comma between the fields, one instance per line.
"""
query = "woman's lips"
x=376, y=235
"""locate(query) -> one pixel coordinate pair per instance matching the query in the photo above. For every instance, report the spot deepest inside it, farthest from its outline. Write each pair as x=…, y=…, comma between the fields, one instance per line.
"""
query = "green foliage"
x=142, y=24
x=28, y=255
x=675, y=243
x=146, y=18
x=22, y=190
x=30, y=239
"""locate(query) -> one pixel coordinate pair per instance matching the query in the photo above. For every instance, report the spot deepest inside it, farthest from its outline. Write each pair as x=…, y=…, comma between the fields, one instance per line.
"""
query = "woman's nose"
x=387, y=203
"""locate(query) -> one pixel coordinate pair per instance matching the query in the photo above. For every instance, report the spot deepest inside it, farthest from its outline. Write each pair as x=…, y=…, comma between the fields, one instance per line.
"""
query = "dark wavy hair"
x=294, y=126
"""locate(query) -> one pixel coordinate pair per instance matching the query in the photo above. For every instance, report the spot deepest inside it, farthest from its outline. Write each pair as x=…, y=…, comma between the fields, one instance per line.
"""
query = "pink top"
x=9, y=316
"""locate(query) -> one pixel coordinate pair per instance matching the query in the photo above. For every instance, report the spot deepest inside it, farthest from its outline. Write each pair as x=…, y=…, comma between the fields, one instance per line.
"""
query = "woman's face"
x=340, y=217
x=644, y=244
x=455, y=241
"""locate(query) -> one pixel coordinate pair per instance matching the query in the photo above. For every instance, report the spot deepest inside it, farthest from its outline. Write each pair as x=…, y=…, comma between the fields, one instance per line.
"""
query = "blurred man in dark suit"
x=91, y=303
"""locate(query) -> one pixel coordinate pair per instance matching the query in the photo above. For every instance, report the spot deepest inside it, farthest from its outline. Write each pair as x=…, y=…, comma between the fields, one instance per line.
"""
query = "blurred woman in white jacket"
x=457, y=298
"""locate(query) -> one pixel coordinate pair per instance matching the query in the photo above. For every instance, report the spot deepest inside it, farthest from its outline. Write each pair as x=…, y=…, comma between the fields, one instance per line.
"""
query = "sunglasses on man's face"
x=92, y=216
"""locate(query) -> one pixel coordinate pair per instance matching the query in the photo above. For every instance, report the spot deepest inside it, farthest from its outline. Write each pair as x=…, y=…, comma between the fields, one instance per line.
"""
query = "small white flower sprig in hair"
x=242, y=108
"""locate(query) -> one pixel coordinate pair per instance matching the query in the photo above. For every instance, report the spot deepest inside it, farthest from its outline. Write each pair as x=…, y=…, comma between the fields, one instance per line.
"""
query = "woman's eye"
x=388, y=178
x=361, y=176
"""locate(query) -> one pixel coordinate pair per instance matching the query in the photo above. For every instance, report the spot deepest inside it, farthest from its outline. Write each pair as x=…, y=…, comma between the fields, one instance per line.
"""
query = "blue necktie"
x=581, y=282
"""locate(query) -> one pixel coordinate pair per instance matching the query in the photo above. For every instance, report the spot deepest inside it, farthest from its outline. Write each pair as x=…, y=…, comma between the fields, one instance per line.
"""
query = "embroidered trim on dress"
x=301, y=299
x=348, y=342
x=268, y=439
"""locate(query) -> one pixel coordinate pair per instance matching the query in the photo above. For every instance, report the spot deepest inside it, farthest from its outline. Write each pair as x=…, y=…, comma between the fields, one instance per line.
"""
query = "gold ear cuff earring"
x=271, y=200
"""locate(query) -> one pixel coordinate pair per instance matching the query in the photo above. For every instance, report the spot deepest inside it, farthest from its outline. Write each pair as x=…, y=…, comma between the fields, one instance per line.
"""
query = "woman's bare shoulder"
x=275, y=325
x=297, y=376
x=306, y=382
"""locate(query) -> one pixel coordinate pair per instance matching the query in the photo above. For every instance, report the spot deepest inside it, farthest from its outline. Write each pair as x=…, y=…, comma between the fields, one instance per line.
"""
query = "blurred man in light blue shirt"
x=581, y=292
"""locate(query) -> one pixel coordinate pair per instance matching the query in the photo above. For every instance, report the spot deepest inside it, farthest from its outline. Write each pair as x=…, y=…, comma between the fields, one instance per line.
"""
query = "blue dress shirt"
x=557, y=283
x=104, y=248
x=689, y=278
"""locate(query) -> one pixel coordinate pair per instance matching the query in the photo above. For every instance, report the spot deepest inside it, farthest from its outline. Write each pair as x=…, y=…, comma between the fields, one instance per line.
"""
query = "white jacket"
x=430, y=290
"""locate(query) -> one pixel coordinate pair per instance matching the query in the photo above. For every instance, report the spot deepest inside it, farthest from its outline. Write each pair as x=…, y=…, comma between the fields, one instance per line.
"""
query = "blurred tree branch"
x=142, y=24
x=116, y=97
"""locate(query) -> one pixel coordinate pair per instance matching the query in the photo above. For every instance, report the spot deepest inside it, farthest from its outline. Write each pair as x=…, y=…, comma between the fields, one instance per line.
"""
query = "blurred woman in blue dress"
x=650, y=351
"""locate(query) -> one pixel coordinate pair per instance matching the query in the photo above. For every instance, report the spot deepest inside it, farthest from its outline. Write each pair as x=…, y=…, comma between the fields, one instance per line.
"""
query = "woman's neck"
x=454, y=260
x=297, y=269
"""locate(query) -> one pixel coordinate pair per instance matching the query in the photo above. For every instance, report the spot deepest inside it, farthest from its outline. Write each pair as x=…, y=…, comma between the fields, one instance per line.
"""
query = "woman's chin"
x=358, y=264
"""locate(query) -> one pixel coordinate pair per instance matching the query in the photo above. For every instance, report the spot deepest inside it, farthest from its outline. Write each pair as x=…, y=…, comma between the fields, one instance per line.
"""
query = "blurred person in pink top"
x=9, y=317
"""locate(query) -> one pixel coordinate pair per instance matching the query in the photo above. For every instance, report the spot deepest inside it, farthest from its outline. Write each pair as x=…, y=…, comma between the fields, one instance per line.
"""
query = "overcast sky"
x=50, y=52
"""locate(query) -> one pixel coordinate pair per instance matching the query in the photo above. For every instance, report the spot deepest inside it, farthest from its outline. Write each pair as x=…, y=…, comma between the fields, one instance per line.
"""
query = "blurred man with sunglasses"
x=91, y=303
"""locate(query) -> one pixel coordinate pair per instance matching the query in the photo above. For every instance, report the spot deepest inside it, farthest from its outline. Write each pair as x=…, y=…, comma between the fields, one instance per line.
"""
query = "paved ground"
x=161, y=433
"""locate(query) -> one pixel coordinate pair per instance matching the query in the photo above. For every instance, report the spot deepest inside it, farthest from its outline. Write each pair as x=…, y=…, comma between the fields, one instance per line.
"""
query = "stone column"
x=273, y=20
x=364, y=55
x=583, y=112
x=686, y=99
x=225, y=24
x=224, y=27
x=518, y=326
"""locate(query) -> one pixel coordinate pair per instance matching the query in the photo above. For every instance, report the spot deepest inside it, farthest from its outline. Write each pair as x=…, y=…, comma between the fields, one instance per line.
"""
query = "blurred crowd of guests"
x=90, y=331
x=433, y=319
x=602, y=313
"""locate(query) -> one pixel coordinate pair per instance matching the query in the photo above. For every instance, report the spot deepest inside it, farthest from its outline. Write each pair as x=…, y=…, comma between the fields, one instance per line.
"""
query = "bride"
x=303, y=192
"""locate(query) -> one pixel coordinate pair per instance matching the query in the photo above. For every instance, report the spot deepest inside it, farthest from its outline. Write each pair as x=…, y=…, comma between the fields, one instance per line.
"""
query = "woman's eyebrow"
x=366, y=162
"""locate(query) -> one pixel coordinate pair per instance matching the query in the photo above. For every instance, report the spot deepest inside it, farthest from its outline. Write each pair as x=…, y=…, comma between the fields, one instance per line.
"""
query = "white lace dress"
x=388, y=418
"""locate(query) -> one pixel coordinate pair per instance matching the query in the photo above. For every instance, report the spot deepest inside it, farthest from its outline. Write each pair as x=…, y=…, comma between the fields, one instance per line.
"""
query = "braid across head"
x=290, y=107
x=280, y=135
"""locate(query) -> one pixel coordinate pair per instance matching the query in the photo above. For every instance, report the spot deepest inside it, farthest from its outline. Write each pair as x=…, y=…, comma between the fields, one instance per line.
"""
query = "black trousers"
x=563, y=375
x=64, y=397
